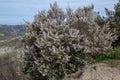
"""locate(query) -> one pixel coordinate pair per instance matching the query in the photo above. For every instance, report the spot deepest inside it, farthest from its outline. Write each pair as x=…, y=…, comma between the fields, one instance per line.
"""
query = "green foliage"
x=2, y=34
x=99, y=19
x=59, y=43
x=113, y=17
x=115, y=54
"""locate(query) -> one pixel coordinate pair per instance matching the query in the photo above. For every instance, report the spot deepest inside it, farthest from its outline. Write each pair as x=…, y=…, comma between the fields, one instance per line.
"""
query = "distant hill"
x=10, y=31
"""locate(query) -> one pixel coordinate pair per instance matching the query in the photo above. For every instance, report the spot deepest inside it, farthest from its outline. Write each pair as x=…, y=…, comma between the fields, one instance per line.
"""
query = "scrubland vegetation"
x=59, y=43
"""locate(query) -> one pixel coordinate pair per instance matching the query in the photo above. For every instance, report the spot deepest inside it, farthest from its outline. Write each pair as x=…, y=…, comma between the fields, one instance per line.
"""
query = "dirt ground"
x=107, y=70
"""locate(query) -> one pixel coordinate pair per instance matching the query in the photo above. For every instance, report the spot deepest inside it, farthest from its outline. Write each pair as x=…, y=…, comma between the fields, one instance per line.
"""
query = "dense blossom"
x=60, y=42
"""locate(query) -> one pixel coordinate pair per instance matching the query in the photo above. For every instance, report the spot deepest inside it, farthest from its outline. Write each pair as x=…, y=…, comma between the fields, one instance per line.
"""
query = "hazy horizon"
x=13, y=12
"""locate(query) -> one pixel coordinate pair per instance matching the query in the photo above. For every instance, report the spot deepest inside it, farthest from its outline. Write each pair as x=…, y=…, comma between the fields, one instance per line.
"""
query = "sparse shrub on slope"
x=58, y=43
x=8, y=67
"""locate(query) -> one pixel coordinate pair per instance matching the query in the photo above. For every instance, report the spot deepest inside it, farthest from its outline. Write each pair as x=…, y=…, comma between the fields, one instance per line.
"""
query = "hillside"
x=10, y=31
x=7, y=46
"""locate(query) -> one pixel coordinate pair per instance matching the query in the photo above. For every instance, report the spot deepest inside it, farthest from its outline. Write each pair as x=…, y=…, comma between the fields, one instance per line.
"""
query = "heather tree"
x=58, y=42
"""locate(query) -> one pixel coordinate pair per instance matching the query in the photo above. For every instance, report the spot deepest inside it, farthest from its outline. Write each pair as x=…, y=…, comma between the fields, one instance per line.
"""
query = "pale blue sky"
x=16, y=11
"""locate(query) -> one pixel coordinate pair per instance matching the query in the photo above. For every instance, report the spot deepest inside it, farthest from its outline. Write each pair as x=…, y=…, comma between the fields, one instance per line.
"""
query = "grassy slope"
x=8, y=61
x=112, y=60
x=9, y=67
x=2, y=34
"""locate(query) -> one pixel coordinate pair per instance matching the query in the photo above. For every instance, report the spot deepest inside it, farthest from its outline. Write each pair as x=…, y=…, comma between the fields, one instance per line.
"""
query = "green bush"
x=59, y=43
x=115, y=54
x=113, y=17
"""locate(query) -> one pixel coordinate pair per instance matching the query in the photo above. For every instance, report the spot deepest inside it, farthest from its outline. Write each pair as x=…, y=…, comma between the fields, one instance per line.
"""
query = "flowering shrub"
x=58, y=43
